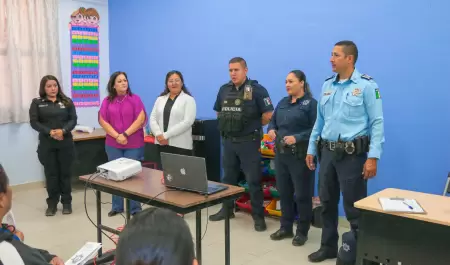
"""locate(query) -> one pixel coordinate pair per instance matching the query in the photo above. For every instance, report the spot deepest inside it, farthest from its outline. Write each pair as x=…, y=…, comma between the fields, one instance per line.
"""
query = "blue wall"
x=405, y=48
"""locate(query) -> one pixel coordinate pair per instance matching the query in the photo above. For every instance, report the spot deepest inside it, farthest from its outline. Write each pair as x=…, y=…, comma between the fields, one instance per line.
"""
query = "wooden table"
x=412, y=239
x=83, y=136
x=146, y=188
x=89, y=152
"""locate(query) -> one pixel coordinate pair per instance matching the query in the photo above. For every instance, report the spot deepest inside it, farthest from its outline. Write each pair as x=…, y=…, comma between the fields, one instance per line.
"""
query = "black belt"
x=286, y=149
x=251, y=137
x=349, y=147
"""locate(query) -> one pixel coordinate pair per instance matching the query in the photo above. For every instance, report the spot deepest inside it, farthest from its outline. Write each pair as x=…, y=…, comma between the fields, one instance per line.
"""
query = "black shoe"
x=113, y=213
x=260, y=224
x=281, y=234
x=67, y=209
x=220, y=215
x=299, y=240
x=51, y=211
x=322, y=254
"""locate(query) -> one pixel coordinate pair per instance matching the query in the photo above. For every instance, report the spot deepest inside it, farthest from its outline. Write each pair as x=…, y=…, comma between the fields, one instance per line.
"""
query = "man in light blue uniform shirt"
x=348, y=138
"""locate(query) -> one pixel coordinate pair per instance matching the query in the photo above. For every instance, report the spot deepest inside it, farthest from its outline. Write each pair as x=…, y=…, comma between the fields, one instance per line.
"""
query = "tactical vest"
x=238, y=108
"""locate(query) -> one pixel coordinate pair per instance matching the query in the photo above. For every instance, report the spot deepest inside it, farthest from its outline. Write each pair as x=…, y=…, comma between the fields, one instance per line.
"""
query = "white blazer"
x=182, y=116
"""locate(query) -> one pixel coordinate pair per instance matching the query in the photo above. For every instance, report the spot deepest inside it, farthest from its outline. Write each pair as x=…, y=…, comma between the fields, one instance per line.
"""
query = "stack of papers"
x=87, y=252
x=400, y=205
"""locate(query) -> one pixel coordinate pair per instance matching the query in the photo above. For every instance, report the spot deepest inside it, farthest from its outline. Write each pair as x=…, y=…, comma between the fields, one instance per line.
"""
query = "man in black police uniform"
x=242, y=107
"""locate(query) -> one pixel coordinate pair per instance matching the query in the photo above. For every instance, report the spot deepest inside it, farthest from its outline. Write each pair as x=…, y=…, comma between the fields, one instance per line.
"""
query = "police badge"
x=248, y=92
x=356, y=92
x=237, y=102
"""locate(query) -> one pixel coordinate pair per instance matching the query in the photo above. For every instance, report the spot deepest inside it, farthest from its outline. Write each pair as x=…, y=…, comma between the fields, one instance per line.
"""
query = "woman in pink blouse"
x=122, y=115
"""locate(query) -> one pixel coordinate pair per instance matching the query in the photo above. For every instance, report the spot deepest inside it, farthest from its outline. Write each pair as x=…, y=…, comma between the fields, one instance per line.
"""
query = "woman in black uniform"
x=53, y=115
x=290, y=127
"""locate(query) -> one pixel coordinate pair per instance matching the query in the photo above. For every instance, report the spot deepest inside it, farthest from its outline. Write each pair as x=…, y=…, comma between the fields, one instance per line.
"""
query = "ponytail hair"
x=302, y=77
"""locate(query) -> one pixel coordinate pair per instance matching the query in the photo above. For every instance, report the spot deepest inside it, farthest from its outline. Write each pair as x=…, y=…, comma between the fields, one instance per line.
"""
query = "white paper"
x=87, y=252
x=9, y=219
x=82, y=128
x=400, y=205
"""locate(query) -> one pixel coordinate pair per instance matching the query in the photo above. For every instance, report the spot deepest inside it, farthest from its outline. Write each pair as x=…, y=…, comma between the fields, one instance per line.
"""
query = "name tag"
x=44, y=105
x=232, y=109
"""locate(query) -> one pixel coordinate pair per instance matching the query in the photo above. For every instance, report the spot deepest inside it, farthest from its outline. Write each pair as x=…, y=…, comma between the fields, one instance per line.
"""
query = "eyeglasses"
x=176, y=81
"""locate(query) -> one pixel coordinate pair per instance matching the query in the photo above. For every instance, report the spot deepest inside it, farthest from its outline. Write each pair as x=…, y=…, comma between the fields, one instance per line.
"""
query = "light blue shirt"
x=350, y=109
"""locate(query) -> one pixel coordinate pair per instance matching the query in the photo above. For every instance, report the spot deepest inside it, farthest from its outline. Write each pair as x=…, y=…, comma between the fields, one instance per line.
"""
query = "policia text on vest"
x=241, y=109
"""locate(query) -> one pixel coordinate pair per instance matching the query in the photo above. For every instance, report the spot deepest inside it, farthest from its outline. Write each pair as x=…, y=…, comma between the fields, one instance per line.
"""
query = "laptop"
x=187, y=173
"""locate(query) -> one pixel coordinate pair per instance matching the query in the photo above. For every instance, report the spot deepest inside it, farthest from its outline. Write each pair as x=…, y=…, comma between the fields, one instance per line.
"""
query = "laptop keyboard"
x=212, y=188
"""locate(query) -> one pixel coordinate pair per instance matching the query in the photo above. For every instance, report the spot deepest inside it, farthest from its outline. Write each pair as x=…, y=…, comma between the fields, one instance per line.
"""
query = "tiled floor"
x=64, y=235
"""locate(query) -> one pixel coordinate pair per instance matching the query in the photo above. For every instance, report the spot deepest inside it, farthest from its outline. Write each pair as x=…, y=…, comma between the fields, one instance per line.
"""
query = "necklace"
x=122, y=99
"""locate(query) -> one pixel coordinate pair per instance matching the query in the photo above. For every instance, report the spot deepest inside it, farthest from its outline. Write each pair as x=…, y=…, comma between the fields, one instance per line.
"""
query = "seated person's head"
x=5, y=193
x=156, y=237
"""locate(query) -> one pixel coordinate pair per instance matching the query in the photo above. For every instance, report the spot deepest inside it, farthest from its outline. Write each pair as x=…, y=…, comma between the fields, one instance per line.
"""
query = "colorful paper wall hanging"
x=85, y=70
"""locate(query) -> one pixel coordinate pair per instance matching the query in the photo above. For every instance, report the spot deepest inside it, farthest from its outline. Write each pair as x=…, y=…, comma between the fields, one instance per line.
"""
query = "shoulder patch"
x=367, y=77
x=330, y=77
x=377, y=93
x=267, y=101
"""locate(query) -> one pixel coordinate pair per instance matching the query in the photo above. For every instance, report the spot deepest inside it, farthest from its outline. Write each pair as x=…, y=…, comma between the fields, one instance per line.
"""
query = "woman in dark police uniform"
x=290, y=127
x=53, y=115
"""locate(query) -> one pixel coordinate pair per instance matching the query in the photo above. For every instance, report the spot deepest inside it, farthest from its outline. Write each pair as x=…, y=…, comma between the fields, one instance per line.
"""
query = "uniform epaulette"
x=330, y=77
x=367, y=77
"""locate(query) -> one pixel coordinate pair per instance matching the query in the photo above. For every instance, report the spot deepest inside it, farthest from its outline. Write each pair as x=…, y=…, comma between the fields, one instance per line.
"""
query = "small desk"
x=82, y=136
x=412, y=239
x=146, y=188
x=89, y=152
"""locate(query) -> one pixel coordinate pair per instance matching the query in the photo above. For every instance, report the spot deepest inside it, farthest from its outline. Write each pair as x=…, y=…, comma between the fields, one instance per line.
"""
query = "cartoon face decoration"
x=78, y=19
x=92, y=20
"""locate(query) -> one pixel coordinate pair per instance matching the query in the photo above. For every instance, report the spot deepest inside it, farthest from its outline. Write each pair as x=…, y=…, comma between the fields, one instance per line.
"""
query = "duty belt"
x=251, y=137
x=289, y=149
x=349, y=147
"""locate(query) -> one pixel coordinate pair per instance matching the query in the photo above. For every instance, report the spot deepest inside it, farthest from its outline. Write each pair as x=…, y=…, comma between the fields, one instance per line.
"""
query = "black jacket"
x=29, y=255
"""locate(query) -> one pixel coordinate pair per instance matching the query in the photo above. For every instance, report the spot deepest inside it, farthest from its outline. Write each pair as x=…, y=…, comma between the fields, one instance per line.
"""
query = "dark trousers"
x=293, y=176
x=57, y=160
x=171, y=150
x=334, y=176
x=244, y=155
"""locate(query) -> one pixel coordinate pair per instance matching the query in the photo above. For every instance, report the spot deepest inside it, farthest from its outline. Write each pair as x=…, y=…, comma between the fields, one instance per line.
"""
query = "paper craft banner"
x=84, y=36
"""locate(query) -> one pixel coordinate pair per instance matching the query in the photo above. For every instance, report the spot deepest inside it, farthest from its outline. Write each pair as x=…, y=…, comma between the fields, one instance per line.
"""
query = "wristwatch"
x=64, y=131
x=125, y=134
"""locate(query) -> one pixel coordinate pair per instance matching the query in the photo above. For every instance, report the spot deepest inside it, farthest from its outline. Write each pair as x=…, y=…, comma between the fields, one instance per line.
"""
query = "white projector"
x=120, y=169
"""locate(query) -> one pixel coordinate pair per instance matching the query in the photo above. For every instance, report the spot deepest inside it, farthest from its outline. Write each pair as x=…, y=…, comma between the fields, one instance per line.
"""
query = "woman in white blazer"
x=172, y=117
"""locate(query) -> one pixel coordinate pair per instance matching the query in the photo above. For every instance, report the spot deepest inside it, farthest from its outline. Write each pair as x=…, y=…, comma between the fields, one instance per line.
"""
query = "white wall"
x=18, y=142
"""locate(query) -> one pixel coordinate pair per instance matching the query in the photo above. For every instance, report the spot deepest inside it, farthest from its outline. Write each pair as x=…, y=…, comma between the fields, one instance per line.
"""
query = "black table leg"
x=198, y=235
x=127, y=210
x=227, y=234
x=99, y=220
